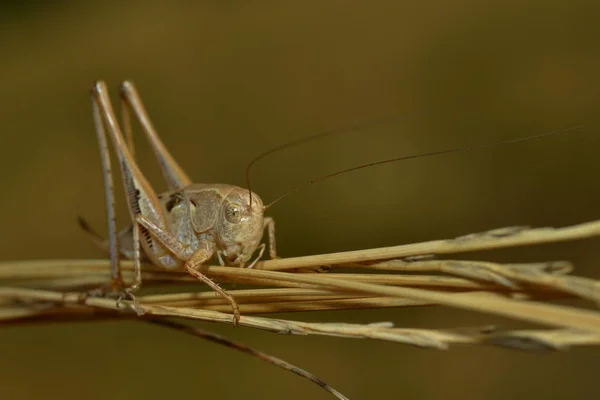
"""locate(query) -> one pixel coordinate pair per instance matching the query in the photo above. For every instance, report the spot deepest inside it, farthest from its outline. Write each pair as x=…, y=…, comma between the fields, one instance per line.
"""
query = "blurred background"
x=225, y=81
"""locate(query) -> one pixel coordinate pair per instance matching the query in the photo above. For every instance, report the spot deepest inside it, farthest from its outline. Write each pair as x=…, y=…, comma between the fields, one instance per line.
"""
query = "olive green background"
x=226, y=80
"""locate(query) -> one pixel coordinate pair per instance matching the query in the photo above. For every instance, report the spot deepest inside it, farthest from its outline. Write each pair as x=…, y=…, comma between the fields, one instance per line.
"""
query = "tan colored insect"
x=190, y=223
x=184, y=227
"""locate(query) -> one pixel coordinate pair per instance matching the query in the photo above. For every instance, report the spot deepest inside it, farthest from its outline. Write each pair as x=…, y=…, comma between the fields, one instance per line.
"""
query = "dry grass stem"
x=400, y=276
x=248, y=350
x=493, y=239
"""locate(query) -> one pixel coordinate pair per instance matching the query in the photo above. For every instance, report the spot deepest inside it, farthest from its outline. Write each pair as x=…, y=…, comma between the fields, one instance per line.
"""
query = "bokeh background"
x=226, y=80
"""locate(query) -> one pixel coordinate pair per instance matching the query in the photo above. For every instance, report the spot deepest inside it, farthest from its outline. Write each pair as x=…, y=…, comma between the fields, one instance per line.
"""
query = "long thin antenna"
x=435, y=153
x=353, y=128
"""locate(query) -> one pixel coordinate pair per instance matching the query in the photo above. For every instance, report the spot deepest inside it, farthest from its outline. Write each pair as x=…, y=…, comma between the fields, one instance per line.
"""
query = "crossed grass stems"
x=399, y=276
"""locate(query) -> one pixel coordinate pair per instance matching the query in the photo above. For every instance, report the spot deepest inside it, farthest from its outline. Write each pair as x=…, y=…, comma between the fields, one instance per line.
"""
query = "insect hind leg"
x=130, y=99
x=140, y=194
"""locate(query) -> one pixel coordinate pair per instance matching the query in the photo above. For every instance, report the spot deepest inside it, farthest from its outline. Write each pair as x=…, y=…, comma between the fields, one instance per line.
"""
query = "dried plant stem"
x=197, y=332
x=52, y=289
x=494, y=239
x=532, y=312
x=558, y=339
x=240, y=295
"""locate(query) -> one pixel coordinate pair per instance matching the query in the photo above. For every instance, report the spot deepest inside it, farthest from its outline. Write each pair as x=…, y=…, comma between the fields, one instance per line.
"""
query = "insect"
x=182, y=228
x=189, y=224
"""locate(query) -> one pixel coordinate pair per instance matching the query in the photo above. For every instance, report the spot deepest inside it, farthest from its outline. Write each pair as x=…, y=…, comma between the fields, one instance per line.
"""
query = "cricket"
x=189, y=224
x=182, y=228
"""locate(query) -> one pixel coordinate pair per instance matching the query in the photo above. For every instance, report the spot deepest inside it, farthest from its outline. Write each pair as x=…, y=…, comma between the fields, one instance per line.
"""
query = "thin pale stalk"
x=278, y=362
x=494, y=239
x=554, y=339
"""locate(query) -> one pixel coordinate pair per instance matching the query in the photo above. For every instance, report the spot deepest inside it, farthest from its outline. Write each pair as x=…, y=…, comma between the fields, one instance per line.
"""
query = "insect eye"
x=233, y=213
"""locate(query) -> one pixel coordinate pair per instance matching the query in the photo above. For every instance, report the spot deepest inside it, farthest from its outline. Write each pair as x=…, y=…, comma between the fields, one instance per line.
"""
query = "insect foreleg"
x=260, y=254
x=269, y=224
x=191, y=261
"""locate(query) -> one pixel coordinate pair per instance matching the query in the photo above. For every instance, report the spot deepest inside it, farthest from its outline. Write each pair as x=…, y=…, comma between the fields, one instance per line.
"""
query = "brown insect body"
x=219, y=215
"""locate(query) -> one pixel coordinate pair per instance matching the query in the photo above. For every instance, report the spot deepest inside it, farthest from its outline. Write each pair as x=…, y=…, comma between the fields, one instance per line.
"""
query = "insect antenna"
x=434, y=153
x=353, y=128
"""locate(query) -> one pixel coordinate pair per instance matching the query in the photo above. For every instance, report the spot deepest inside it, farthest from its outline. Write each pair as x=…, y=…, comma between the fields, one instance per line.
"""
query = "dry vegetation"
x=400, y=276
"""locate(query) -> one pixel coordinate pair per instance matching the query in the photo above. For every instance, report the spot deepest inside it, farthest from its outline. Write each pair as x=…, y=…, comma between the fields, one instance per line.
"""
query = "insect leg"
x=191, y=265
x=191, y=262
x=137, y=265
x=260, y=254
x=113, y=245
x=141, y=198
x=124, y=238
x=270, y=226
x=174, y=175
x=126, y=127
